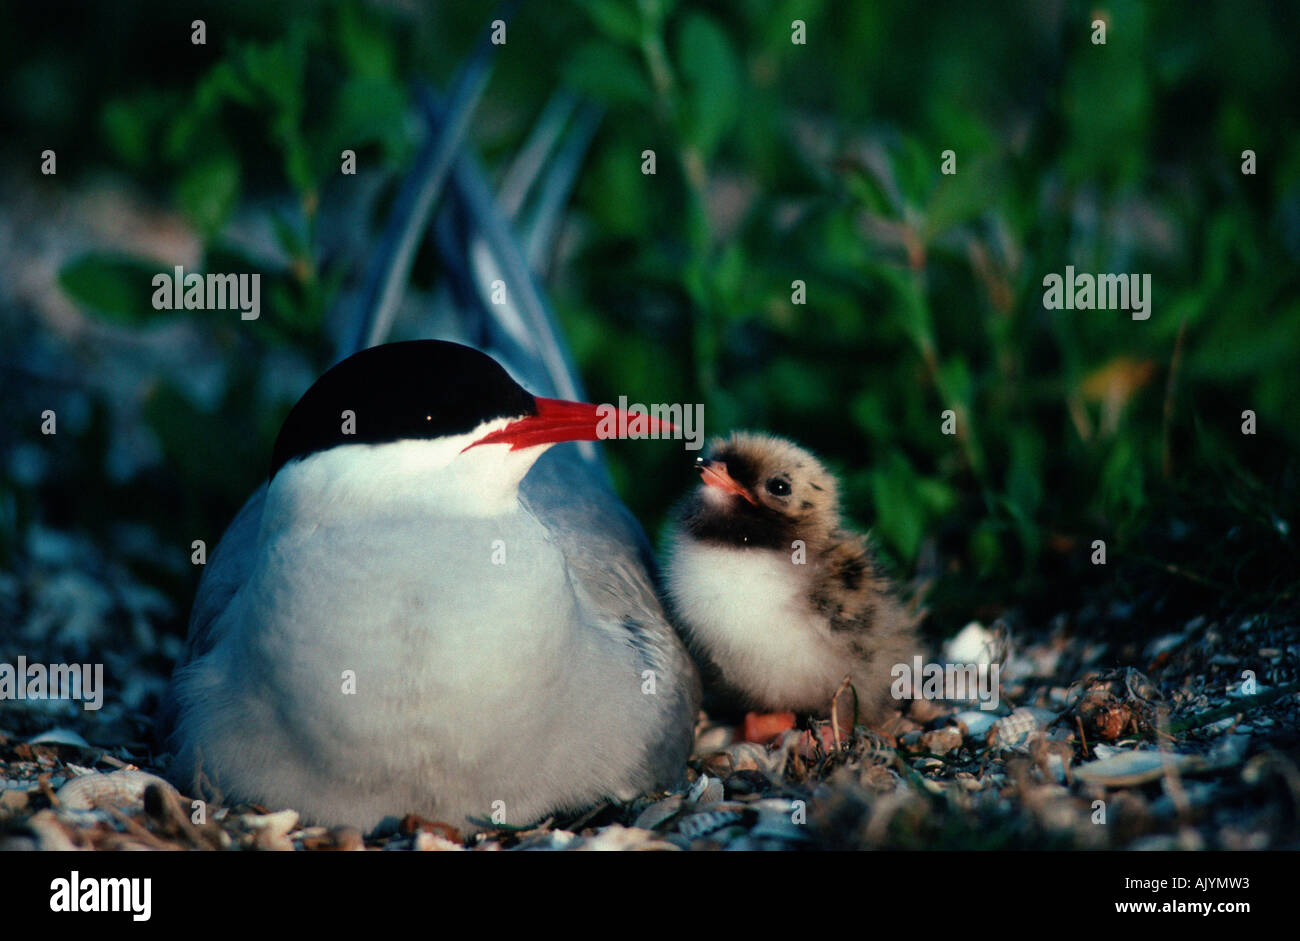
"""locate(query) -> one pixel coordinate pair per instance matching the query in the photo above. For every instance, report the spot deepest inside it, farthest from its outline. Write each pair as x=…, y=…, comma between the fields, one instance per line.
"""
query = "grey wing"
x=614, y=575
x=227, y=568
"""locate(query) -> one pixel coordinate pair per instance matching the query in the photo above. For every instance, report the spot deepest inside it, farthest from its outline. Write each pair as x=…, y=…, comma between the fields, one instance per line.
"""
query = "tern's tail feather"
x=492, y=249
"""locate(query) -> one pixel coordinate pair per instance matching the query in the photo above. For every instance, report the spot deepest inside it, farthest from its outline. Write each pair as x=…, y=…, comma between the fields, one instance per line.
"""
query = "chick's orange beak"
x=714, y=474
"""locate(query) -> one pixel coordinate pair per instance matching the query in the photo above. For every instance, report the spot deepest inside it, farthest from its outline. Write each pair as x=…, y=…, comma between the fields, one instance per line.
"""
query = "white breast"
x=377, y=664
x=747, y=609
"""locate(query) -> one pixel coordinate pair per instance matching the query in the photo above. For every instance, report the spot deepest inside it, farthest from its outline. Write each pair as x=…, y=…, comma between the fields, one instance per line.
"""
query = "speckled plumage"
x=775, y=597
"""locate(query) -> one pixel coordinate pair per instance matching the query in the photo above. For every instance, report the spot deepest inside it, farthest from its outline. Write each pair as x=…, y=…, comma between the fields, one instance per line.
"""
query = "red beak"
x=557, y=420
x=714, y=474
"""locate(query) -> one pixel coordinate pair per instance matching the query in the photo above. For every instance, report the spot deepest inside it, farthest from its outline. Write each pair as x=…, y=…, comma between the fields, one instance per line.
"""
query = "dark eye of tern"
x=778, y=487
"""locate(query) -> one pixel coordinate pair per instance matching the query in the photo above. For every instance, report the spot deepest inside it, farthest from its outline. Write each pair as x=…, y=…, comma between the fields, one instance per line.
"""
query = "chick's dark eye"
x=778, y=487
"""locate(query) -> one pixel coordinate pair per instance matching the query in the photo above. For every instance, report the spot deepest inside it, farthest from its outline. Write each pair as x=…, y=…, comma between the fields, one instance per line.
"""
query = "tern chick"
x=778, y=600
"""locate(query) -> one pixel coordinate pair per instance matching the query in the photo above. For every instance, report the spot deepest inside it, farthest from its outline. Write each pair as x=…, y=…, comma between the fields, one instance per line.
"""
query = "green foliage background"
x=778, y=163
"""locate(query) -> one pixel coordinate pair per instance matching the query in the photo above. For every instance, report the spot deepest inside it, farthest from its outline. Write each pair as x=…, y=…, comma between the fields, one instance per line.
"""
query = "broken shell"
x=1045, y=717
x=974, y=643
x=426, y=842
x=747, y=756
x=1132, y=768
x=710, y=821
x=271, y=831
x=59, y=737
x=719, y=764
x=347, y=838
x=50, y=833
x=772, y=826
x=1056, y=765
x=12, y=800
x=658, y=813
x=1012, y=731
x=776, y=805
x=542, y=840
x=1162, y=645
x=977, y=722
x=876, y=749
x=616, y=837
x=713, y=738
x=942, y=741
x=741, y=756
x=124, y=789
x=706, y=790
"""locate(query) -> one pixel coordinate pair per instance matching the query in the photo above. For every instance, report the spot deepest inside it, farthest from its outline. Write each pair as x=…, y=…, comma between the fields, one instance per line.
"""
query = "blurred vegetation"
x=780, y=163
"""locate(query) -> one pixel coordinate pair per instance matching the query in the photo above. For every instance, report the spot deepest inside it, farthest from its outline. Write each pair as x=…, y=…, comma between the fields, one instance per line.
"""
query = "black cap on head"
x=415, y=389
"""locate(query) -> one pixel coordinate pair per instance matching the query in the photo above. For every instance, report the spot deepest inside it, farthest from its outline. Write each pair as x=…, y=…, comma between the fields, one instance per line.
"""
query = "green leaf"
x=616, y=19
x=1123, y=480
x=132, y=126
x=198, y=122
x=712, y=76
x=915, y=169
x=729, y=278
x=957, y=199
x=871, y=414
x=868, y=190
x=899, y=510
x=912, y=308
x=291, y=238
x=369, y=111
x=617, y=195
x=366, y=49
x=276, y=71
x=119, y=287
x=1024, y=473
x=985, y=548
x=208, y=190
x=955, y=381
x=937, y=497
x=656, y=12
x=608, y=74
